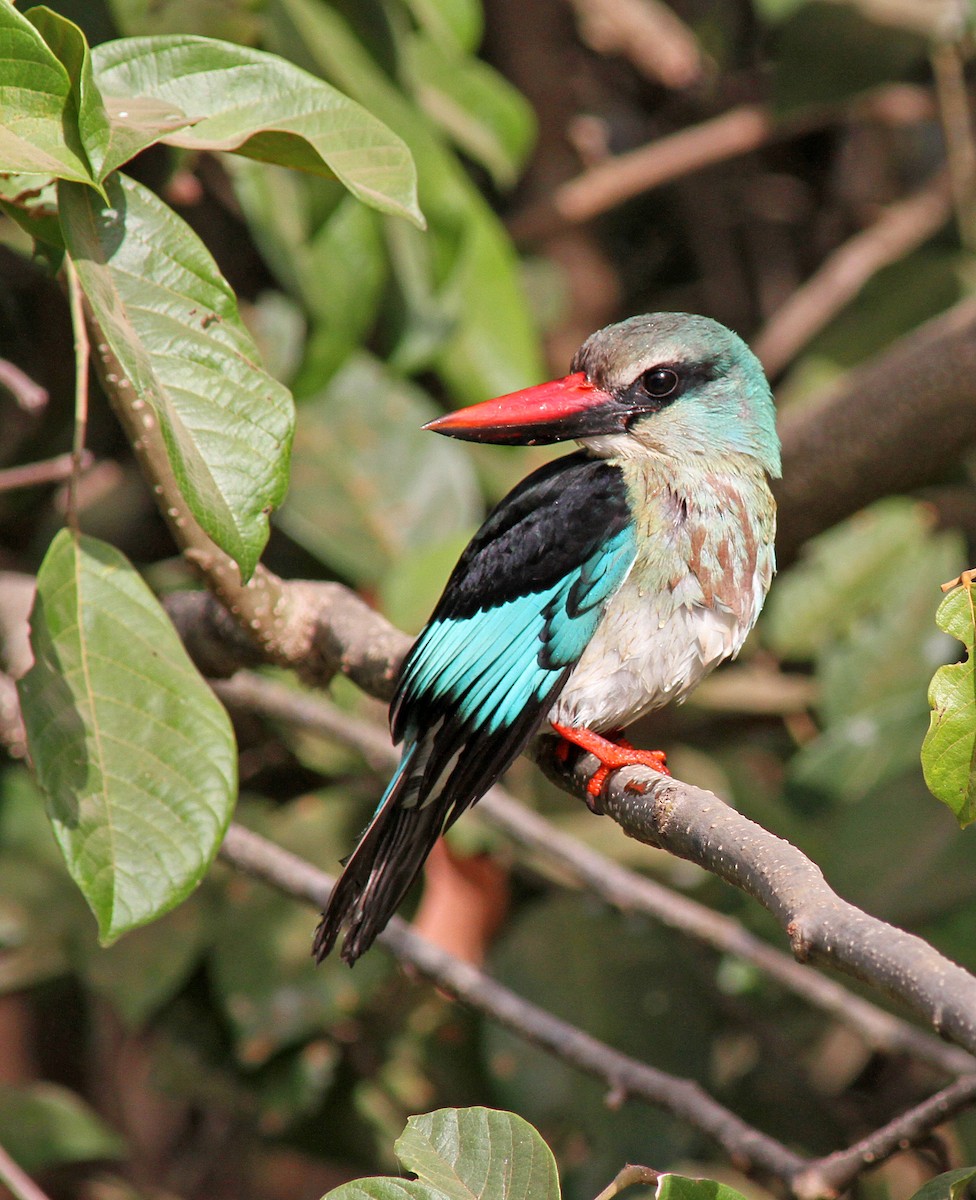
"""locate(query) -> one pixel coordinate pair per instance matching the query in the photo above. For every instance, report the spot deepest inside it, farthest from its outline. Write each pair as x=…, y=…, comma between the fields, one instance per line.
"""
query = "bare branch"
x=30, y=396
x=753, y=1151
x=750, y=1150
x=696, y=825
x=17, y=1180
x=648, y=33
x=895, y=423
x=899, y=229
x=48, y=470
x=617, y=179
x=836, y=1172
x=738, y=131
x=624, y=889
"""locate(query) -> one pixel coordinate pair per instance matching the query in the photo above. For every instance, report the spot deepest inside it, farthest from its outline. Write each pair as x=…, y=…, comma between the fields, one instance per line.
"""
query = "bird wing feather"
x=517, y=613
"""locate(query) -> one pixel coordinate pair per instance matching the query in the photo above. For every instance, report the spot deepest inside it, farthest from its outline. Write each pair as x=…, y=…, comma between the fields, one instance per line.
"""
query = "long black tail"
x=381, y=869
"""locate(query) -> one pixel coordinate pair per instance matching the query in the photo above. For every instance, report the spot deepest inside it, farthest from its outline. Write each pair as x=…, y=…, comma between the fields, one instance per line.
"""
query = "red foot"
x=612, y=754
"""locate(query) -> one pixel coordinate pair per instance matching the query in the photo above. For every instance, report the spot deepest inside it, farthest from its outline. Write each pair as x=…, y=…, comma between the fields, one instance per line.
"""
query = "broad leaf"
x=134, y=753
x=368, y=482
x=171, y=320
x=260, y=105
x=491, y=347
x=479, y=1154
x=453, y=24
x=953, y=1185
x=39, y=131
x=949, y=749
x=681, y=1187
x=69, y=44
x=485, y=116
x=44, y=1125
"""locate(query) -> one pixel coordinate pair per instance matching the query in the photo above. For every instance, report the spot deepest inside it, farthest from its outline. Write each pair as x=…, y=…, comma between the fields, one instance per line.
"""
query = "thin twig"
x=948, y=68
x=696, y=825
x=617, y=179
x=754, y=1151
x=900, y=228
x=648, y=33
x=836, y=1172
x=629, y=1176
x=16, y=1179
x=82, y=361
x=48, y=470
x=30, y=396
x=624, y=889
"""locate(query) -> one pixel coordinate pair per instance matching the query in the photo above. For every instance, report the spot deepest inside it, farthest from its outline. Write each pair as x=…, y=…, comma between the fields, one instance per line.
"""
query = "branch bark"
x=696, y=825
x=898, y=422
x=624, y=889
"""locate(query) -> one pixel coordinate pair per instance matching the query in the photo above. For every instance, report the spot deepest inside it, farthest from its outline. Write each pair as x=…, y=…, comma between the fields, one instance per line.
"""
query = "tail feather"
x=381, y=869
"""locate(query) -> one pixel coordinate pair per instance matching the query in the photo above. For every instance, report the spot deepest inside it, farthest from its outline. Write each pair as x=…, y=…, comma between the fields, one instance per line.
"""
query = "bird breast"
x=702, y=570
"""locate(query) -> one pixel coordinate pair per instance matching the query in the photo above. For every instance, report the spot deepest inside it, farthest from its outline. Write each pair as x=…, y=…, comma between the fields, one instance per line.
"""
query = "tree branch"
x=622, y=888
x=753, y=1151
x=696, y=825
x=897, y=422
x=899, y=229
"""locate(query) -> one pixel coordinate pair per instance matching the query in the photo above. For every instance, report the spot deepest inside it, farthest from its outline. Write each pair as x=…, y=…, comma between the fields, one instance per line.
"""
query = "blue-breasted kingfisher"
x=606, y=584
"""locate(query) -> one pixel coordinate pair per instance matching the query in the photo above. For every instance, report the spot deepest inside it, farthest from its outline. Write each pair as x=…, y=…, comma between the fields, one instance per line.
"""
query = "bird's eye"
x=660, y=382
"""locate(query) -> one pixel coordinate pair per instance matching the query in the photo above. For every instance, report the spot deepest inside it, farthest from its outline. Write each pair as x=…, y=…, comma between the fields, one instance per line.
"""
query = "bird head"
x=669, y=383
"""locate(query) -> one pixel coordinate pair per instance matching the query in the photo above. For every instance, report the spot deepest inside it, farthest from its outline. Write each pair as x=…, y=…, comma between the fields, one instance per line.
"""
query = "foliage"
x=239, y=193
x=950, y=744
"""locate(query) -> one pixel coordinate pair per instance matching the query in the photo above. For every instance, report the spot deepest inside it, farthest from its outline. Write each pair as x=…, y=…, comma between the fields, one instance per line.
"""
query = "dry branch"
x=899, y=229
x=626, y=890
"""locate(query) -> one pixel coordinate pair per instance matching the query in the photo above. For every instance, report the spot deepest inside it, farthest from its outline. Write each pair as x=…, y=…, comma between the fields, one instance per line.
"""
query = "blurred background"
x=801, y=170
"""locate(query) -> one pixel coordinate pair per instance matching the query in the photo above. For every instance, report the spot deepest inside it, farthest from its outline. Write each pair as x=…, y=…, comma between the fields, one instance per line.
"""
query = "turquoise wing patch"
x=486, y=669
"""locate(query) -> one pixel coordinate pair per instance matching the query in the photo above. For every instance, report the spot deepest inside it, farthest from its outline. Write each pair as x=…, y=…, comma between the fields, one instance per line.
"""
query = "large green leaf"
x=368, y=482
x=69, y=44
x=134, y=753
x=257, y=104
x=44, y=1125
x=480, y=110
x=949, y=749
x=953, y=1185
x=681, y=1187
x=479, y=1154
x=39, y=130
x=490, y=345
x=171, y=320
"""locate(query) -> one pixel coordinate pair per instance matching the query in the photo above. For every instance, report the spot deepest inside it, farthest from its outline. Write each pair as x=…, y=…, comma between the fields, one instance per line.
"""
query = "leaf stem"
x=82, y=361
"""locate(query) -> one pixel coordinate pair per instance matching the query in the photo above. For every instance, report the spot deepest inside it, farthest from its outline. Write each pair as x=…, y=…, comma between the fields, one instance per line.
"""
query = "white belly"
x=646, y=652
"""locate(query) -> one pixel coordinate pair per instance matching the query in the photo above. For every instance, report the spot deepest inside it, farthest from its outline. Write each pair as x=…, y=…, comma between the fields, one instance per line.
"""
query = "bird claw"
x=612, y=754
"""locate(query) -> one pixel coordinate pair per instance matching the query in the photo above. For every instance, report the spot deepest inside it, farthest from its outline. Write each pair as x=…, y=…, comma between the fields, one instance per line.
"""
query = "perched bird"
x=607, y=584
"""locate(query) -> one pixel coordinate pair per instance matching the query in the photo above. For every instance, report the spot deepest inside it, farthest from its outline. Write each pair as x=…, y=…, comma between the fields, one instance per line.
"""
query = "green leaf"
x=949, y=749
x=953, y=1185
x=491, y=347
x=336, y=267
x=479, y=1154
x=843, y=574
x=44, y=1125
x=70, y=45
x=39, y=133
x=257, y=104
x=481, y=111
x=142, y=972
x=172, y=321
x=681, y=1187
x=829, y=52
x=368, y=483
x=453, y=24
x=134, y=753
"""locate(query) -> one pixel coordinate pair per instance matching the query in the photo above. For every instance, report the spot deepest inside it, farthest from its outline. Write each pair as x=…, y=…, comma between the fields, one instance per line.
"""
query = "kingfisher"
x=605, y=585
